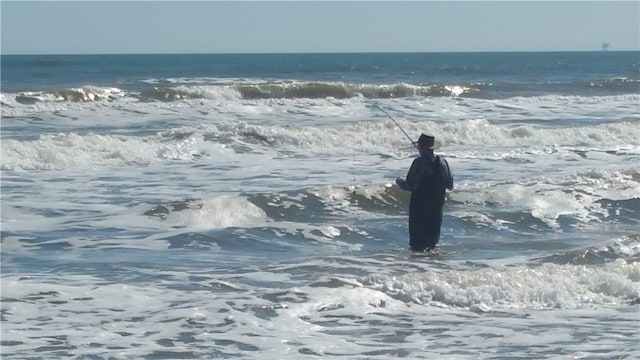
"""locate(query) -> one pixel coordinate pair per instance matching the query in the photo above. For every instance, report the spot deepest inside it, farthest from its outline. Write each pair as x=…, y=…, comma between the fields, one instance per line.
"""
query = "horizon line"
x=313, y=52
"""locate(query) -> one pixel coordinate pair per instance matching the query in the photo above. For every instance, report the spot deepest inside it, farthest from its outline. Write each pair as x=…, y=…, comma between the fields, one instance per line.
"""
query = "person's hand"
x=400, y=181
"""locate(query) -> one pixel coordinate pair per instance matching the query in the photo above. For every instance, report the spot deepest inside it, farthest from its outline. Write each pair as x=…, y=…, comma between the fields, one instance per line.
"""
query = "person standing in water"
x=427, y=179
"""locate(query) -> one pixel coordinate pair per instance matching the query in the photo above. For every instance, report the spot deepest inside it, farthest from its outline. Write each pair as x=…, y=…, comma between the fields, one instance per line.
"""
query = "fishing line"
x=398, y=125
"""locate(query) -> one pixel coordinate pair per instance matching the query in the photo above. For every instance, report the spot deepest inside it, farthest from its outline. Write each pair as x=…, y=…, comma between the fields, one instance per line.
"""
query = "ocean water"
x=243, y=206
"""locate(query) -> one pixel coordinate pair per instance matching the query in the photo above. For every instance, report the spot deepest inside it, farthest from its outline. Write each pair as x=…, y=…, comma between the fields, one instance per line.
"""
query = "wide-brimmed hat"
x=428, y=141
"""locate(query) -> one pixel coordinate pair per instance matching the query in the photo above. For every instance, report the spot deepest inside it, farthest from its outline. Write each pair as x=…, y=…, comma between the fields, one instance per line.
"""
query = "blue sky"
x=93, y=27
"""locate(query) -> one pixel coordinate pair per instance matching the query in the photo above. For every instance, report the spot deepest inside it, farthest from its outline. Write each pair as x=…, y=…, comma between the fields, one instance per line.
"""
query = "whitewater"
x=250, y=211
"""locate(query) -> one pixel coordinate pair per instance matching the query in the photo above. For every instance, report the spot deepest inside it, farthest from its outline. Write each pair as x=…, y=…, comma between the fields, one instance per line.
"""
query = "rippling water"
x=242, y=206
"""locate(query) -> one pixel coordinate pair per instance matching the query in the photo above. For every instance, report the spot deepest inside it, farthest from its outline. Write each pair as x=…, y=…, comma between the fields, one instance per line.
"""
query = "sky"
x=106, y=27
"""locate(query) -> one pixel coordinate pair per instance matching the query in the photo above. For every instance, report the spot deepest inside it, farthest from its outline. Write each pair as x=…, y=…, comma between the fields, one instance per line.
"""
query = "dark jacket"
x=427, y=180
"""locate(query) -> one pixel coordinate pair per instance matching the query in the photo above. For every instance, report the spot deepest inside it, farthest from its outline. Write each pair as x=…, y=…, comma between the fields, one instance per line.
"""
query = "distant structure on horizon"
x=605, y=46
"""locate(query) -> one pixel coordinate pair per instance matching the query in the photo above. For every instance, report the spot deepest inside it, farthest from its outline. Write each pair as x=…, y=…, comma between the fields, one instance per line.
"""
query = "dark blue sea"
x=244, y=206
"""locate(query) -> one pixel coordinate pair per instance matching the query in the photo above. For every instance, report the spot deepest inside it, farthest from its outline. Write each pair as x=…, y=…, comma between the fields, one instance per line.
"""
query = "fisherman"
x=427, y=179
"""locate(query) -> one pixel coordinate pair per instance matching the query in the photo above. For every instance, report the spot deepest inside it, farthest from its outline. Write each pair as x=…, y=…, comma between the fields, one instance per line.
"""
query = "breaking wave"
x=221, y=89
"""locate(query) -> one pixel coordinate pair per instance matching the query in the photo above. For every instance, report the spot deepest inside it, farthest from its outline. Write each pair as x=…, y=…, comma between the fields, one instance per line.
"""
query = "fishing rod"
x=398, y=125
